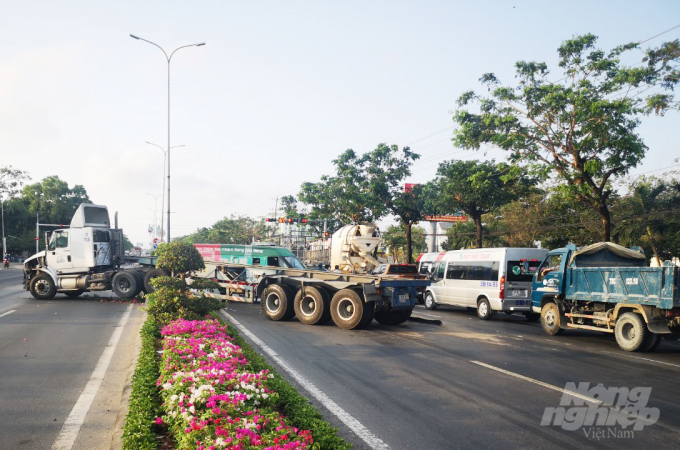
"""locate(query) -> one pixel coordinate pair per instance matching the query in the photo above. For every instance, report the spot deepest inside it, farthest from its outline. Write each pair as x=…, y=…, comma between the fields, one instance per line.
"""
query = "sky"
x=280, y=89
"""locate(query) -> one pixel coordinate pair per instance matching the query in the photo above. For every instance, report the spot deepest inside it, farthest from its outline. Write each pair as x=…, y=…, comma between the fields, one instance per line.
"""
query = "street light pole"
x=168, y=58
x=155, y=214
x=163, y=191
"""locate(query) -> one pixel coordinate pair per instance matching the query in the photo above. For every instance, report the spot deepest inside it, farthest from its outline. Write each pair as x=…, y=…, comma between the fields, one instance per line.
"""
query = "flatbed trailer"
x=352, y=301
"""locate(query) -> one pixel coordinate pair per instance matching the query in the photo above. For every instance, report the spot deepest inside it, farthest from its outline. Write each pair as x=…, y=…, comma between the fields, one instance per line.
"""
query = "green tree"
x=179, y=258
x=345, y=197
x=476, y=188
x=11, y=181
x=579, y=129
x=464, y=235
x=230, y=230
x=650, y=216
x=395, y=240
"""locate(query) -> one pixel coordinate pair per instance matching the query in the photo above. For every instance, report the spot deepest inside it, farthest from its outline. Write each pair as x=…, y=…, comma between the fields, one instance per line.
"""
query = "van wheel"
x=550, y=319
x=484, y=311
x=277, y=303
x=631, y=332
x=348, y=309
x=313, y=308
x=42, y=287
x=126, y=285
x=429, y=301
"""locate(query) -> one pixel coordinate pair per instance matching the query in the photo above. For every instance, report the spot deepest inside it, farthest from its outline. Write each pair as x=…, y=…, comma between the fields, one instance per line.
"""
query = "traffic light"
x=281, y=220
x=303, y=220
x=326, y=234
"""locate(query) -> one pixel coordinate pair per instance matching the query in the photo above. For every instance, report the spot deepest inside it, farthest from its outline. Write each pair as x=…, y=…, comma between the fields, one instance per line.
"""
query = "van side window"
x=485, y=271
x=456, y=271
x=425, y=268
x=439, y=272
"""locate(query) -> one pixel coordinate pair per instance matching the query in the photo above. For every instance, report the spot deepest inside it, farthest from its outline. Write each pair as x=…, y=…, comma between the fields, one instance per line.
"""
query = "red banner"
x=446, y=218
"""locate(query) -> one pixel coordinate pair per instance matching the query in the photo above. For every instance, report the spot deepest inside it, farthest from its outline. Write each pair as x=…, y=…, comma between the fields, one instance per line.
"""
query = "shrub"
x=145, y=401
x=179, y=258
x=173, y=299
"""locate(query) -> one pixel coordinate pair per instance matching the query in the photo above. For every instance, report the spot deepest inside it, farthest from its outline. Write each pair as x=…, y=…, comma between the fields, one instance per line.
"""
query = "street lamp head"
x=202, y=43
x=133, y=36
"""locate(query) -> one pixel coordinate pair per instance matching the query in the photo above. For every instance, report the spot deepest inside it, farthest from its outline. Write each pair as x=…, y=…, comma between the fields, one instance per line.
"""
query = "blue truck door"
x=549, y=277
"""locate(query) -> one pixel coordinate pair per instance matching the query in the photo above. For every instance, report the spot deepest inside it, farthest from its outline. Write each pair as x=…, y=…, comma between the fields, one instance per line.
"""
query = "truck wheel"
x=652, y=342
x=484, y=311
x=42, y=287
x=393, y=317
x=74, y=294
x=348, y=309
x=550, y=319
x=631, y=332
x=150, y=275
x=429, y=301
x=369, y=314
x=126, y=284
x=277, y=303
x=314, y=308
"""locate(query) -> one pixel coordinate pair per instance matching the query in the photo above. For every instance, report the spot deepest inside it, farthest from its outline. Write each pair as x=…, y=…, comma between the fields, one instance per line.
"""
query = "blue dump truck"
x=607, y=287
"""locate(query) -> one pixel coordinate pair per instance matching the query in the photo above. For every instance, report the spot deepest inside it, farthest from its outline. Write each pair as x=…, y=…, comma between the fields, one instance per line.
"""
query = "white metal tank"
x=353, y=248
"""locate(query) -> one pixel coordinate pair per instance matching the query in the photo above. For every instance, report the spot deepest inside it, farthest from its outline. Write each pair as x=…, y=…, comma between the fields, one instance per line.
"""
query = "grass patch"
x=297, y=409
x=140, y=430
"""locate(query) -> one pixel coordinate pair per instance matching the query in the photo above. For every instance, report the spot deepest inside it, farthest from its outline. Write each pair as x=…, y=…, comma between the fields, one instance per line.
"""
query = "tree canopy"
x=230, y=230
x=581, y=129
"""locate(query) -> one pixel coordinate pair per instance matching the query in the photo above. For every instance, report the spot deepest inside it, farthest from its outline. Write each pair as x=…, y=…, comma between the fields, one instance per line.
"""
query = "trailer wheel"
x=314, y=308
x=42, y=287
x=150, y=275
x=484, y=311
x=393, y=317
x=126, y=284
x=277, y=303
x=550, y=319
x=74, y=294
x=429, y=301
x=631, y=332
x=348, y=310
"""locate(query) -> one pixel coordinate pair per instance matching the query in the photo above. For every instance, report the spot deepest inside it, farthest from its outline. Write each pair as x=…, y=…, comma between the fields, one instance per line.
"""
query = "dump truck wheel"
x=126, y=285
x=42, y=287
x=314, y=308
x=393, y=317
x=631, y=332
x=348, y=309
x=550, y=319
x=277, y=303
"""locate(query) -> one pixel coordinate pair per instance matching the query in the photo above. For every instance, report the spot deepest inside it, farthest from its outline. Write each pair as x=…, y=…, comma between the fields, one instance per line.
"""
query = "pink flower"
x=159, y=421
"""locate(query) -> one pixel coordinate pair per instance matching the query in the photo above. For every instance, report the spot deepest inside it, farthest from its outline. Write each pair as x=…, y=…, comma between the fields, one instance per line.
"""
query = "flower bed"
x=211, y=399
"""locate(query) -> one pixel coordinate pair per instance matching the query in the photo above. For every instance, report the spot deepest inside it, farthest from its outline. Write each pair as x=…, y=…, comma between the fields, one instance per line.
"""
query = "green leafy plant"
x=174, y=299
x=179, y=258
x=145, y=402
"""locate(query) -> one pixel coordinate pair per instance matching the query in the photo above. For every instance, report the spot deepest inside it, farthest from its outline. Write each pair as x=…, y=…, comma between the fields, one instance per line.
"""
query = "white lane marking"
x=638, y=357
x=69, y=432
x=540, y=383
x=369, y=438
x=8, y=313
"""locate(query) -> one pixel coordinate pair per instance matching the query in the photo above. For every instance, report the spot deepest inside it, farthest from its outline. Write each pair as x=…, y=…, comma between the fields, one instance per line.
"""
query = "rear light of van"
x=501, y=294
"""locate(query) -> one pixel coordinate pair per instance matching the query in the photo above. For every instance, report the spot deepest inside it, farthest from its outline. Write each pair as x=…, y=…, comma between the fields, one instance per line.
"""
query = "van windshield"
x=522, y=270
x=292, y=261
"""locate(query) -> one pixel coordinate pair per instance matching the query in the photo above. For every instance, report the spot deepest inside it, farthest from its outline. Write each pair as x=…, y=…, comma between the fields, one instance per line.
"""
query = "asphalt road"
x=473, y=384
x=48, y=352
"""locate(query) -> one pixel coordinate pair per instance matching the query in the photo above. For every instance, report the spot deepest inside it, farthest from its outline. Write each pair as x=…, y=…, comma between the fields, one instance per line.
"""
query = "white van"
x=487, y=279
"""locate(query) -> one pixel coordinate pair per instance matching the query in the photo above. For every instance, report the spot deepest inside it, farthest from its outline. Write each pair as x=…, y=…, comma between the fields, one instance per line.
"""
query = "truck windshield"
x=521, y=270
x=292, y=261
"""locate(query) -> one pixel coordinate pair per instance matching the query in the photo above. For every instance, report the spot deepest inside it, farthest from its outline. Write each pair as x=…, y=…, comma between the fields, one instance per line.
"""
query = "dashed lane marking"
x=8, y=312
x=640, y=357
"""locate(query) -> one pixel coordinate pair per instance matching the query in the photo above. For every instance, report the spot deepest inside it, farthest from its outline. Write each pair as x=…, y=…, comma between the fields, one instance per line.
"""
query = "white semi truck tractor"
x=88, y=256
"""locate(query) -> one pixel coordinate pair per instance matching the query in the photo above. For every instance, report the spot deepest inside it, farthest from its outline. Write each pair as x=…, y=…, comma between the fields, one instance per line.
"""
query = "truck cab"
x=548, y=280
